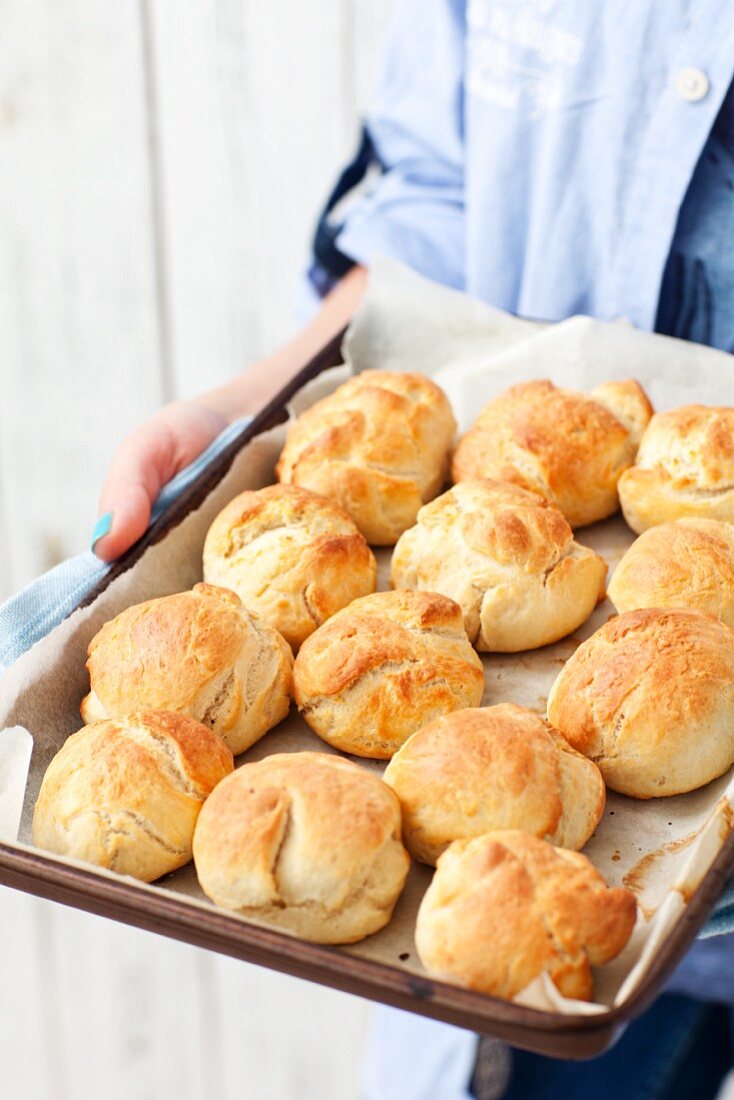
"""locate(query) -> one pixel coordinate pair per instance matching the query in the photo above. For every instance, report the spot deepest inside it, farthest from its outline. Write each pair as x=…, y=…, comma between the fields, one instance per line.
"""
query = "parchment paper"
x=660, y=848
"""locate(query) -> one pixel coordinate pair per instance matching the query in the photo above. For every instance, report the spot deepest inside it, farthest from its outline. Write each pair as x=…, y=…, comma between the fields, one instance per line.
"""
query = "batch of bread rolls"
x=499, y=799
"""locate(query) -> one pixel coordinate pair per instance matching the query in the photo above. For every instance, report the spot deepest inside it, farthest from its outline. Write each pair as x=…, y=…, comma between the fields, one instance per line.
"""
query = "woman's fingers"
x=140, y=468
x=143, y=464
x=120, y=527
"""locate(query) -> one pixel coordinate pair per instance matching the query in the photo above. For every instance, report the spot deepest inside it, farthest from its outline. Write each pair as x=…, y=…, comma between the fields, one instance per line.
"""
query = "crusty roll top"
x=567, y=446
x=688, y=563
x=504, y=907
x=384, y=666
x=125, y=793
x=685, y=467
x=379, y=445
x=509, y=559
x=307, y=840
x=694, y=444
x=198, y=652
x=292, y=556
x=499, y=767
x=650, y=698
x=378, y=630
x=501, y=520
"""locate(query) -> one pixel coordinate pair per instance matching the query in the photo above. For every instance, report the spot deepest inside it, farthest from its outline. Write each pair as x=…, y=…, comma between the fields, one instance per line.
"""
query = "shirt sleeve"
x=414, y=211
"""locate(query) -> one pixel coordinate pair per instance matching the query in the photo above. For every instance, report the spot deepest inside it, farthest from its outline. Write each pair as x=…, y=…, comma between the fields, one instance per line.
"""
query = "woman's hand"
x=157, y=450
x=143, y=464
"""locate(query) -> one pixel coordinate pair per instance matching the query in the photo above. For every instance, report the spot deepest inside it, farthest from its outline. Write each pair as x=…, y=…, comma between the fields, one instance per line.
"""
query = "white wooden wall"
x=161, y=163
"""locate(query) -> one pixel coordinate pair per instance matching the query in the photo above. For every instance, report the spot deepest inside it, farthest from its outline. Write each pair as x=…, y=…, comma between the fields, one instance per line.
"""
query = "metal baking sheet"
x=674, y=853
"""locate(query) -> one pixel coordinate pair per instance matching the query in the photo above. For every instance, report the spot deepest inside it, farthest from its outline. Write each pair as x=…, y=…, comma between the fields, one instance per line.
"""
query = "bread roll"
x=688, y=563
x=379, y=446
x=650, y=698
x=510, y=561
x=502, y=767
x=504, y=907
x=684, y=467
x=291, y=556
x=382, y=668
x=199, y=653
x=306, y=841
x=125, y=794
x=569, y=447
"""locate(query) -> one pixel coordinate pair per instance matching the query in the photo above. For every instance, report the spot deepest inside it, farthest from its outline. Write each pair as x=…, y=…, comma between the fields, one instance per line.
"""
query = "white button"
x=691, y=84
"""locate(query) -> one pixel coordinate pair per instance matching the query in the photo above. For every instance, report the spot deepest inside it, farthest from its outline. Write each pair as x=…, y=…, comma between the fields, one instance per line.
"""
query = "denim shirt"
x=558, y=156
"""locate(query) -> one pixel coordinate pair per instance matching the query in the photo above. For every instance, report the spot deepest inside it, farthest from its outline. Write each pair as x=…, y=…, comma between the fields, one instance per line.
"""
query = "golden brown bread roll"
x=684, y=467
x=502, y=767
x=504, y=907
x=383, y=667
x=291, y=556
x=569, y=447
x=688, y=563
x=379, y=446
x=125, y=793
x=650, y=698
x=306, y=841
x=199, y=653
x=508, y=558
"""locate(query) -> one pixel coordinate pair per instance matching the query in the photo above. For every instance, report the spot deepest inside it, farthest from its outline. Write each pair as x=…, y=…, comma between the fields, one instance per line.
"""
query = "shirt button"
x=691, y=84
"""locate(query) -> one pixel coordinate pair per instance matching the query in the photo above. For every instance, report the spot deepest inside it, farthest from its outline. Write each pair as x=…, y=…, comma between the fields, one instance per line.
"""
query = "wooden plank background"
x=161, y=164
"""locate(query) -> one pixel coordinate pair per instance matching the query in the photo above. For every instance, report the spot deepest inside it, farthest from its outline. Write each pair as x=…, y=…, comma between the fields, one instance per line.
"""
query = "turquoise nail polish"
x=102, y=527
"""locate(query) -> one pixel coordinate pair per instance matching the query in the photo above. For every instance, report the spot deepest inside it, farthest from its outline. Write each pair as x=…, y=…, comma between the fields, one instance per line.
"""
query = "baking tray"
x=163, y=912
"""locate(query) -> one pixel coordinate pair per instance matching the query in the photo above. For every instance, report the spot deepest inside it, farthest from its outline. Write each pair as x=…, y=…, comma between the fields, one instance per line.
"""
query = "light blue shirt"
x=540, y=155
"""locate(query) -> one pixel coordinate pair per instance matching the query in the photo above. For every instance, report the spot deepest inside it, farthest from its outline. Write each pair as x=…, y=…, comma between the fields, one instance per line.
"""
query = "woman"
x=550, y=157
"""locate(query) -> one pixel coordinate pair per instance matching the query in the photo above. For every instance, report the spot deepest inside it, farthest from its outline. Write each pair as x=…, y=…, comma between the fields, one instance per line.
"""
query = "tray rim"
x=567, y=1036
